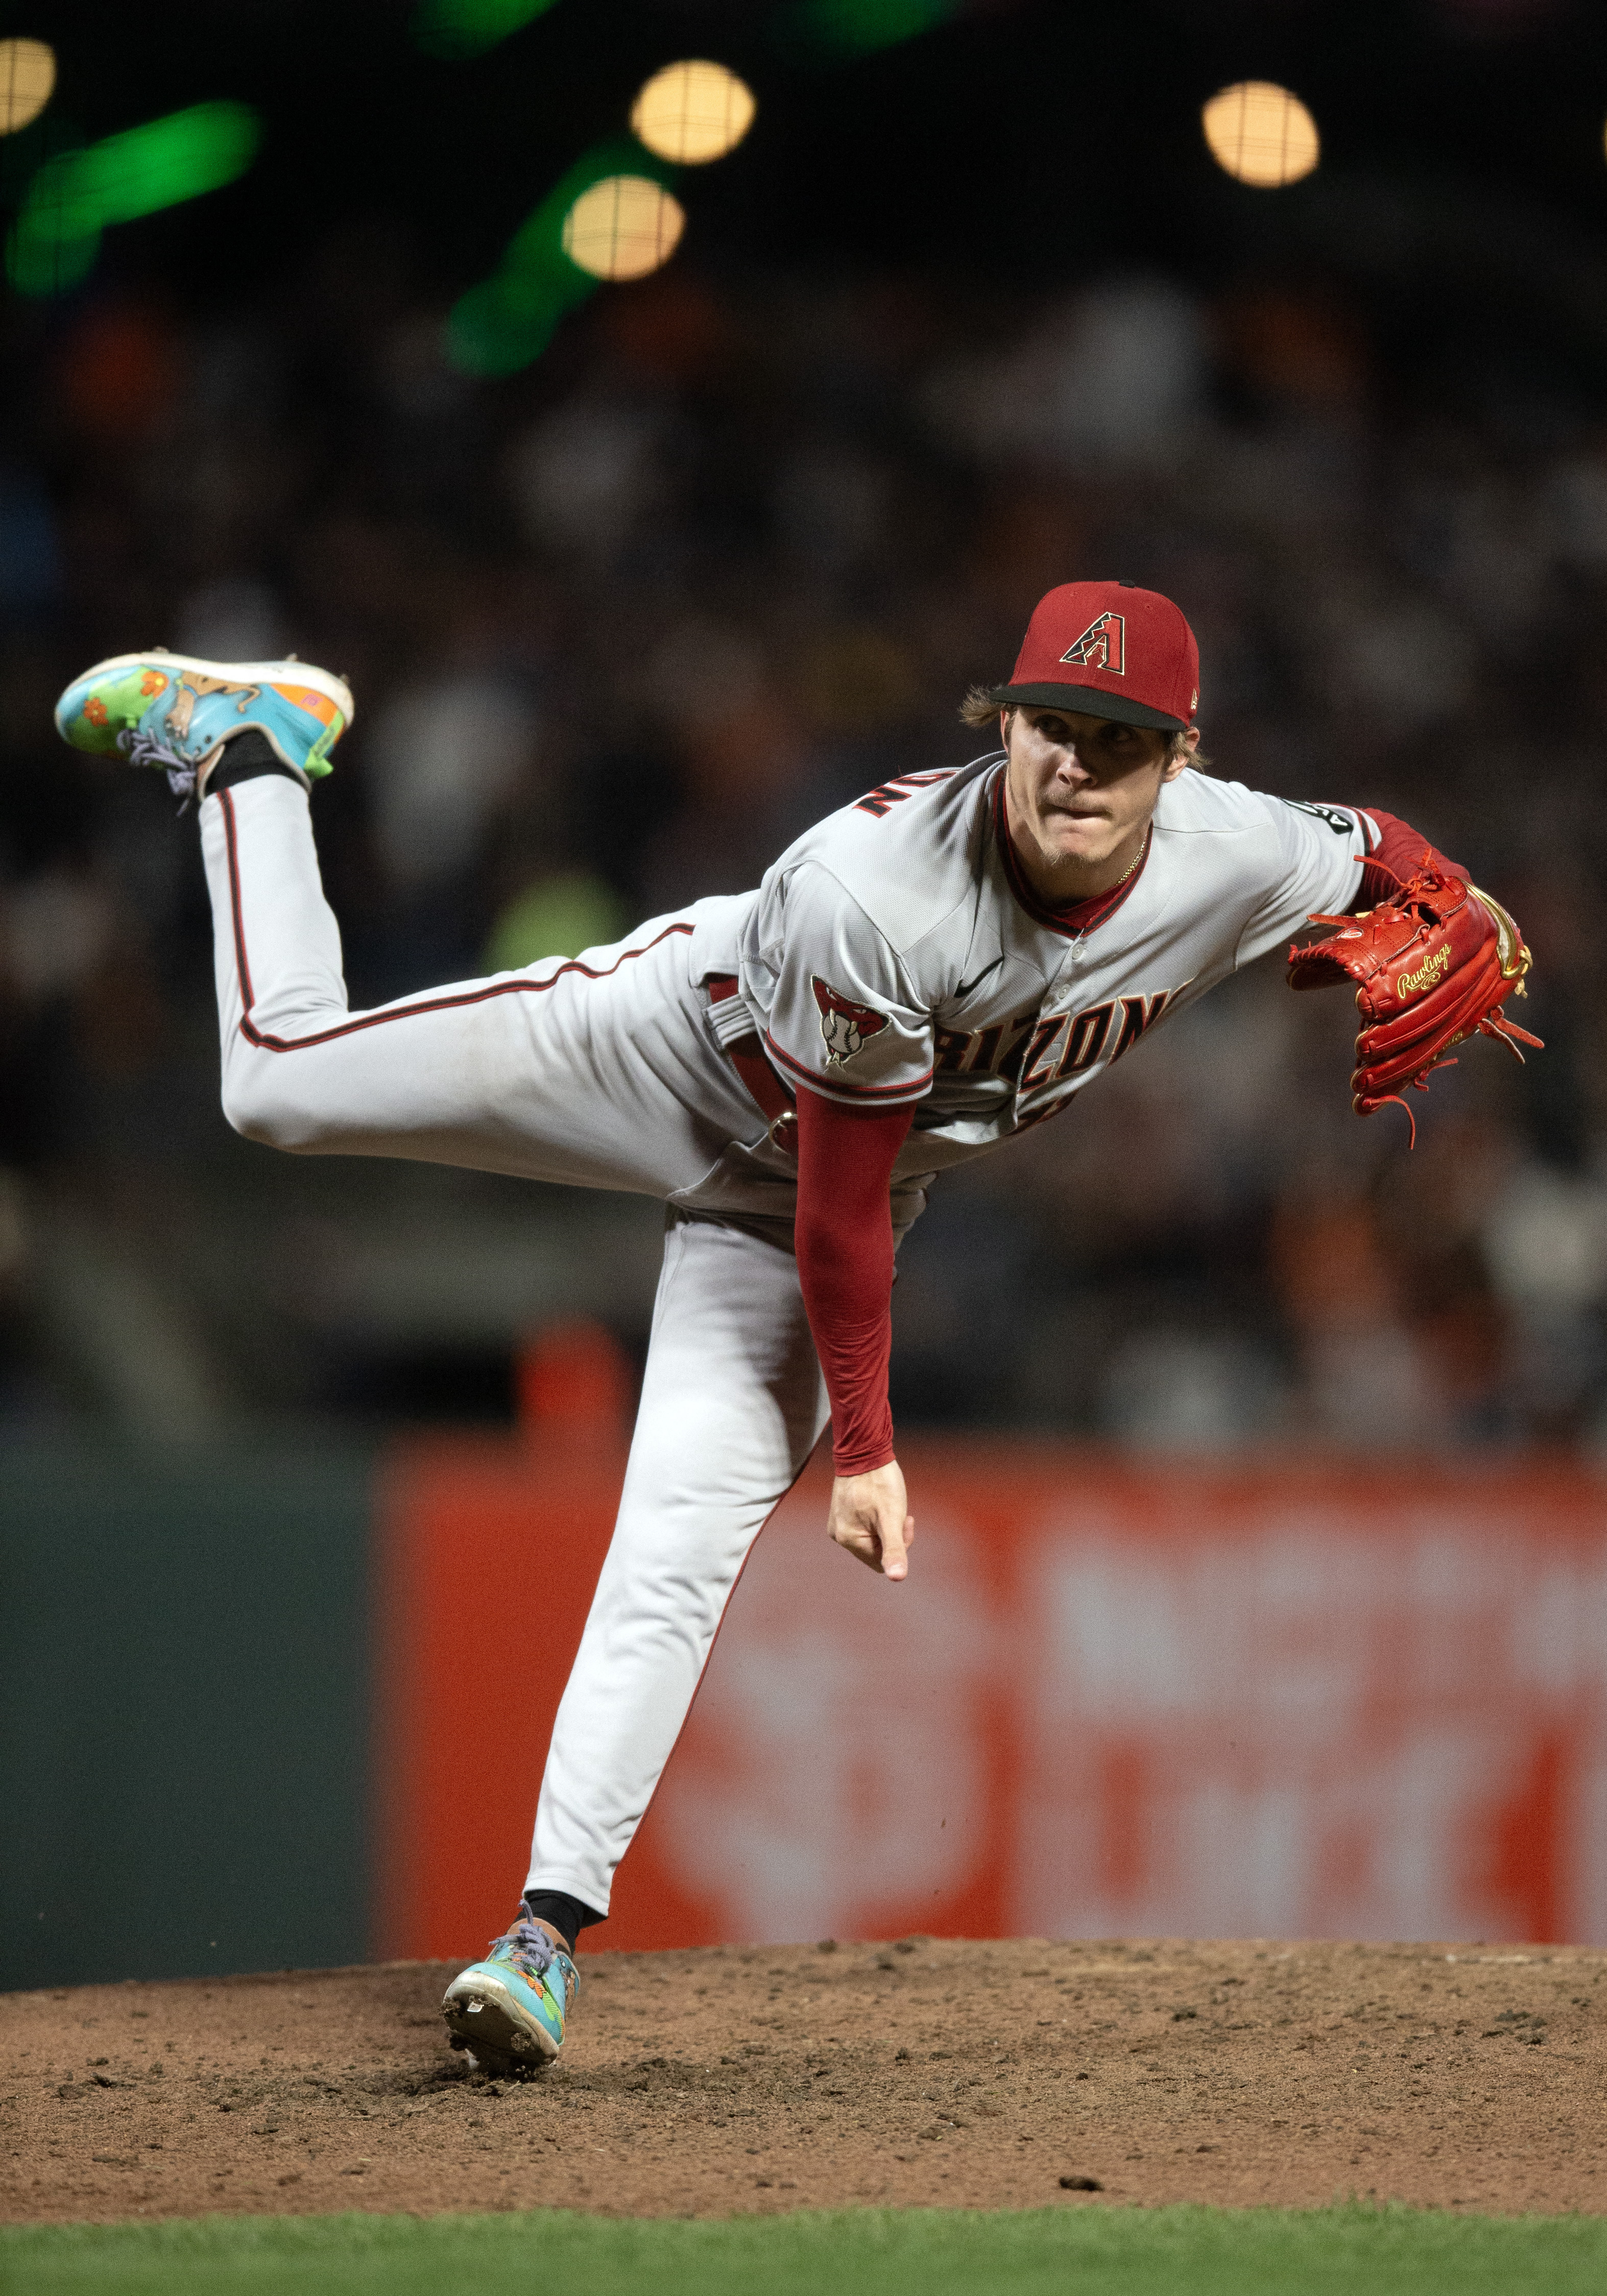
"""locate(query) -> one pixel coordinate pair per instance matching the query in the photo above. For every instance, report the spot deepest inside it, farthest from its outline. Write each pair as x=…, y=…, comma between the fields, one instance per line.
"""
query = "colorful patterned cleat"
x=168, y=709
x=508, y=2011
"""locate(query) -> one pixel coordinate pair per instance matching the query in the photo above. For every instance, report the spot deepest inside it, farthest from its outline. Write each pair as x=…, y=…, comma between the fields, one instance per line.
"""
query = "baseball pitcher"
x=924, y=975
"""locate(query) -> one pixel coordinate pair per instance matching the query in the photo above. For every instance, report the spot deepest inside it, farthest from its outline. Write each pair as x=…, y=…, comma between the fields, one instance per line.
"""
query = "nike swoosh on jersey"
x=964, y=987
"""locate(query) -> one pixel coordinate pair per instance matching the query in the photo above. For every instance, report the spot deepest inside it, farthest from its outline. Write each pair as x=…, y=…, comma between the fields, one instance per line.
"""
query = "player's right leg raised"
x=597, y=1072
x=563, y=1072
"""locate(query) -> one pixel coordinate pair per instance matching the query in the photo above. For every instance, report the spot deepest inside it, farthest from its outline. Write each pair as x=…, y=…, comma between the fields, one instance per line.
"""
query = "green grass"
x=1083, y=2251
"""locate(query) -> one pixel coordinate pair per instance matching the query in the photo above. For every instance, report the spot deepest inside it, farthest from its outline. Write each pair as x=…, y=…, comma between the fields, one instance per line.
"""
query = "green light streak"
x=858, y=28
x=157, y=165
x=508, y=320
x=39, y=261
x=469, y=28
x=74, y=196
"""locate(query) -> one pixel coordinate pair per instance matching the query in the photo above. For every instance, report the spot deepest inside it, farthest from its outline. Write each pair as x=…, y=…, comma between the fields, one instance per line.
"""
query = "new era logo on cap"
x=1110, y=650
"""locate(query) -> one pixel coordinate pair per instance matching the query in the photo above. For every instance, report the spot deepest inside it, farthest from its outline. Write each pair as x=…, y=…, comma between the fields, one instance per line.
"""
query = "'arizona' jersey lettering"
x=889, y=954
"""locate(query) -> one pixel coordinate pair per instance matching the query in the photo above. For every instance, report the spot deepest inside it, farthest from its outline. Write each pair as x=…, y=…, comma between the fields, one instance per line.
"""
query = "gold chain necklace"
x=1110, y=890
x=1131, y=865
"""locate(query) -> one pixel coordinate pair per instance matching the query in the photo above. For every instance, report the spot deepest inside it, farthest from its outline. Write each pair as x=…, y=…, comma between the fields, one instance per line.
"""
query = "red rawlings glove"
x=1432, y=965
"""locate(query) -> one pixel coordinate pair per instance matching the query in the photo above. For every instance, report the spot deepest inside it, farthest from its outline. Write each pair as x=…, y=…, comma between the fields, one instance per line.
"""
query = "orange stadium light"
x=1260, y=133
x=692, y=113
x=28, y=75
x=623, y=227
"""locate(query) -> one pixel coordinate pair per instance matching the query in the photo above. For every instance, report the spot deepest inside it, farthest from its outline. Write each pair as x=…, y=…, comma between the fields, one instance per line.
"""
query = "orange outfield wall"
x=1255, y=1698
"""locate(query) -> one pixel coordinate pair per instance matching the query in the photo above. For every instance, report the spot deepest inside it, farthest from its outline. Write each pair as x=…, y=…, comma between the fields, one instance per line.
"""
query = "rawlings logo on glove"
x=1413, y=984
x=1431, y=968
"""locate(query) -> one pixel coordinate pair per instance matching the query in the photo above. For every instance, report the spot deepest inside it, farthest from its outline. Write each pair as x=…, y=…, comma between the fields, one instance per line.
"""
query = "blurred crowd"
x=618, y=628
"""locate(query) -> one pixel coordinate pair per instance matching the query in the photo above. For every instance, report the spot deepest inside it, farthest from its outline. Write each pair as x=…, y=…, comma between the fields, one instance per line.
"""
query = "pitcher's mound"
x=1011, y=2075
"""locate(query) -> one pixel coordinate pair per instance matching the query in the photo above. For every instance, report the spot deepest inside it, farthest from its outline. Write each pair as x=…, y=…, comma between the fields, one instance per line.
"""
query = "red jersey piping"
x=827, y=1085
x=265, y=1042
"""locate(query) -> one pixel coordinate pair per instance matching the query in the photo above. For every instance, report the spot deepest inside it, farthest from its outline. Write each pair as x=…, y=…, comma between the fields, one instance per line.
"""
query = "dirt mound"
x=770, y=2078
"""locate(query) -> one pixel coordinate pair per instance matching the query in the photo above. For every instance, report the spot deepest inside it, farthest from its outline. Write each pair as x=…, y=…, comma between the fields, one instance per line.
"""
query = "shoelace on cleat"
x=534, y=1955
x=530, y=1949
x=145, y=750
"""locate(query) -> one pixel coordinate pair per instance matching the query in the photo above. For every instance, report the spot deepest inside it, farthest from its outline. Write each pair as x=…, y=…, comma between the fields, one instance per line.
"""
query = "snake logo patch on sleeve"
x=845, y=1026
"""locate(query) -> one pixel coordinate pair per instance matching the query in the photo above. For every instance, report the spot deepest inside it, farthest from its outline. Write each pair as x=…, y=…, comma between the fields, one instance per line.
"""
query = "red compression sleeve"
x=1399, y=854
x=844, y=1241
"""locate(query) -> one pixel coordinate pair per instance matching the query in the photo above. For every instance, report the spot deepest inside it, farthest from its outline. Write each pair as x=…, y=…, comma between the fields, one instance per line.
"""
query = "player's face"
x=1081, y=791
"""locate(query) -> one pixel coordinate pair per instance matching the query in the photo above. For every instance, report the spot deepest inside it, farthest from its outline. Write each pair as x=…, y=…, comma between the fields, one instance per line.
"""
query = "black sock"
x=244, y=758
x=567, y=1915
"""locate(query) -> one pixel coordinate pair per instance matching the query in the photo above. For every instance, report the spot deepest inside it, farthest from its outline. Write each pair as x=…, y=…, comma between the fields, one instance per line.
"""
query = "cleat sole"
x=238, y=673
x=486, y=2023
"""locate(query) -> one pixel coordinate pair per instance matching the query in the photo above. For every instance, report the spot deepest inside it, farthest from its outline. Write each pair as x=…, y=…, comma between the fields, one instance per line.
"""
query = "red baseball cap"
x=1110, y=650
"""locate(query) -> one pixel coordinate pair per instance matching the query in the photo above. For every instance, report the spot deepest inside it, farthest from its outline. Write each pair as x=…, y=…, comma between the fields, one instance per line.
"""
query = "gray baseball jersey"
x=896, y=954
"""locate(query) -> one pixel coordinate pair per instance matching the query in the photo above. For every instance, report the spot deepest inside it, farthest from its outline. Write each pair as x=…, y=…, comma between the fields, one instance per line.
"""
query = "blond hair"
x=980, y=709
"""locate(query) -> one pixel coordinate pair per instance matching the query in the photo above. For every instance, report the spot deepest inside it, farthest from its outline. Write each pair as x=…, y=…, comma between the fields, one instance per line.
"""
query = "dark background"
x=963, y=316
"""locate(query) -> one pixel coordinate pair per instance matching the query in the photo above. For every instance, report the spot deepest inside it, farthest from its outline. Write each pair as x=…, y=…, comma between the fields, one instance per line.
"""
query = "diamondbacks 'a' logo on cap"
x=1101, y=645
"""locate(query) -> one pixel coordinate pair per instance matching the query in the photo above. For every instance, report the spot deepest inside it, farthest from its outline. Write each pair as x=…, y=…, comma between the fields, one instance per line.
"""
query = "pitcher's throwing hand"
x=870, y=1516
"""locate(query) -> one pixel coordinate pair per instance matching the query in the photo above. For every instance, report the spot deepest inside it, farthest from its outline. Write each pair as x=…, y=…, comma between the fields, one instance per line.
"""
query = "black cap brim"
x=1088, y=701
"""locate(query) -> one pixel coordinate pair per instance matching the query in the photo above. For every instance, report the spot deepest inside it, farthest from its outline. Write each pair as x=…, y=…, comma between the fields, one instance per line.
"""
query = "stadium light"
x=1260, y=133
x=508, y=320
x=74, y=196
x=469, y=28
x=692, y=113
x=27, y=74
x=623, y=227
x=611, y=216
